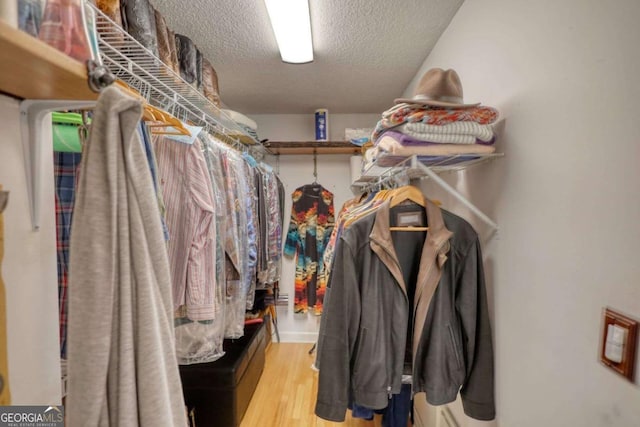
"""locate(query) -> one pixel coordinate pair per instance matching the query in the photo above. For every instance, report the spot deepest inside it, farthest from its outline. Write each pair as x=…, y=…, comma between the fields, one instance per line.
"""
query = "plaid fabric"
x=66, y=168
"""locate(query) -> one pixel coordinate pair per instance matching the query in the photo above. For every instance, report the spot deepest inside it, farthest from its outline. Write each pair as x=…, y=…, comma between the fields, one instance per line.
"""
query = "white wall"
x=29, y=272
x=301, y=127
x=564, y=76
x=296, y=170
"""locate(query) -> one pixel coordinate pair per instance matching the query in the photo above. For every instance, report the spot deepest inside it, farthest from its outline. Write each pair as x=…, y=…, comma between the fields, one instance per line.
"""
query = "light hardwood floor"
x=286, y=393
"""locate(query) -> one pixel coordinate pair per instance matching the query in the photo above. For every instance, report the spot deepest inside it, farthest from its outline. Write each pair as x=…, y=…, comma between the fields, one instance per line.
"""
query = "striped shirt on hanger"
x=188, y=197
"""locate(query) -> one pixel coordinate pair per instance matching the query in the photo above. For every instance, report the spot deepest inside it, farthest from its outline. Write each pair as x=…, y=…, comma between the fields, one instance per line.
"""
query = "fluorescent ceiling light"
x=292, y=27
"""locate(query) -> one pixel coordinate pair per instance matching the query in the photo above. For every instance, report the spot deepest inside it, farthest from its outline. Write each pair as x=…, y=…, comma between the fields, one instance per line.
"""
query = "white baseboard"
x=290, y=336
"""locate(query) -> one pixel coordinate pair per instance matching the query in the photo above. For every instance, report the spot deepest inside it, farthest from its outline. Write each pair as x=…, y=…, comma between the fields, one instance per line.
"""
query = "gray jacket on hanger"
x=364, y=330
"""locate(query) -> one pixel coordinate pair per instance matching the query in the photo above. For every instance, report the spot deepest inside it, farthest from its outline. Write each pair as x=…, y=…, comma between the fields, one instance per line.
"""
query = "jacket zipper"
x=415, y=309
x=415, y=305
x=406, y=298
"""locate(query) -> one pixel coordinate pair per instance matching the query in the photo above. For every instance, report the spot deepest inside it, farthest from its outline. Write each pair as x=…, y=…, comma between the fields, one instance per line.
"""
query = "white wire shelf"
x=415, y=167
x=387, y=167
x=135, y=65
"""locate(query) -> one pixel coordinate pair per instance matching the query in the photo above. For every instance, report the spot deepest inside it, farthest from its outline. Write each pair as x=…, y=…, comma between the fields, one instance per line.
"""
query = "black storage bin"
x=219, y=392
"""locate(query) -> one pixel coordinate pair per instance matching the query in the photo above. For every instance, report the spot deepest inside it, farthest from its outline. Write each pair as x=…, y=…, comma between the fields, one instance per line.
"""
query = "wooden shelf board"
x=310, y=147
x=31, y=69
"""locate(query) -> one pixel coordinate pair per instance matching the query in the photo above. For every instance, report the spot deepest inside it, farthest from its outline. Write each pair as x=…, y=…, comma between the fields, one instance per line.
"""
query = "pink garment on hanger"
x=64, y=27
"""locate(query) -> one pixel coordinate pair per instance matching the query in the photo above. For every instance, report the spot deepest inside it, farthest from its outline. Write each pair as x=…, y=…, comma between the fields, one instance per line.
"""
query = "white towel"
x=453, y=133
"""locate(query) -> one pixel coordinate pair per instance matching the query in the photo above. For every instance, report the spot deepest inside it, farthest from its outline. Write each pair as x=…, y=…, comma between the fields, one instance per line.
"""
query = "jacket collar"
x=433, y=250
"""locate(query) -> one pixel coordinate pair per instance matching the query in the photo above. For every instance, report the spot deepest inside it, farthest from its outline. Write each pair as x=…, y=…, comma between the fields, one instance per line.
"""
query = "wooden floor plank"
x=286, y=393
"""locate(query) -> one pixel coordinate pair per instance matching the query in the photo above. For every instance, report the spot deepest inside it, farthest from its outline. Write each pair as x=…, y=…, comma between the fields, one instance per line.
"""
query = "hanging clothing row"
x=221, y=206
x=173, y=256
x=405, y=309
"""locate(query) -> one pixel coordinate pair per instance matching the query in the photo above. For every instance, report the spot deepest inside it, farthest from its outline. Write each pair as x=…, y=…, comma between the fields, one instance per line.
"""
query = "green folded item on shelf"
x=66, y=118
x=65, y=132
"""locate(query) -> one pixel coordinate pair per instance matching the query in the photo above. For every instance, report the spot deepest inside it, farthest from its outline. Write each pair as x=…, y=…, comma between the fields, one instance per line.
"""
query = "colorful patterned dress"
x=312, y=220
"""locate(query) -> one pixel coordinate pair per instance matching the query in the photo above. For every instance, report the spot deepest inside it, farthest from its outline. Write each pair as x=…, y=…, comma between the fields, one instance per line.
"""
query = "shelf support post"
x=33, y=116
x=415, y=163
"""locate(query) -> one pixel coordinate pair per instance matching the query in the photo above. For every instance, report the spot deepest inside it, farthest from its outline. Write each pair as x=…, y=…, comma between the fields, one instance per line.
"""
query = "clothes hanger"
x=164, y=120
x=155, y=117
x=315, y=168
x=83, y=129
x=407, y=193
x=147, y=115
x=364, y=196
x=381, y=195
x=365, y=207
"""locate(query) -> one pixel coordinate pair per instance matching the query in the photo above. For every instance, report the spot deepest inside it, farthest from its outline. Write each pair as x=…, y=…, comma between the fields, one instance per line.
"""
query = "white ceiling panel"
x=365, y=51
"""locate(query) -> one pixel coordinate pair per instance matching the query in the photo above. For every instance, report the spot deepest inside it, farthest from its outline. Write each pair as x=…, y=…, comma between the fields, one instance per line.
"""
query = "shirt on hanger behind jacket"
x=312, y=220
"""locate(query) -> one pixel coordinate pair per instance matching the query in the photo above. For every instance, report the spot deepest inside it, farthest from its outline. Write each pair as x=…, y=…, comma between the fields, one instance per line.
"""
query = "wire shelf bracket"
x=413, y=168
x=416, y=164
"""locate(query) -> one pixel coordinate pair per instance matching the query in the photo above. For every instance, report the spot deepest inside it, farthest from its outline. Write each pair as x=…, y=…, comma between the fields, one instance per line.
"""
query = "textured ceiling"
x=365, y=51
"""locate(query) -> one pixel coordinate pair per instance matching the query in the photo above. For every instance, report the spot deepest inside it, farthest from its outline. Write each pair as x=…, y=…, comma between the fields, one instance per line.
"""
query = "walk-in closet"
x=305, y=213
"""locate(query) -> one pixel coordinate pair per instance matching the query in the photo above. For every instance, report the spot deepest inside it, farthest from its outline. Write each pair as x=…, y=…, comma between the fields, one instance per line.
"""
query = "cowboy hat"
x=438, y=88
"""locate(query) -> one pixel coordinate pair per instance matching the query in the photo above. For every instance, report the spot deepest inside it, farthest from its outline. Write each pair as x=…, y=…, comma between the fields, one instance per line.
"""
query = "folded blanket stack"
x=431, y=126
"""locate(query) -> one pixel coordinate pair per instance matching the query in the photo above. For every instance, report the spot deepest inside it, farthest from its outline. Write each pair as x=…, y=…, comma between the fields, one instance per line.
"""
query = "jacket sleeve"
x=478, y=390
x=293, y=236
x=329, y=227
x=340, y=322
